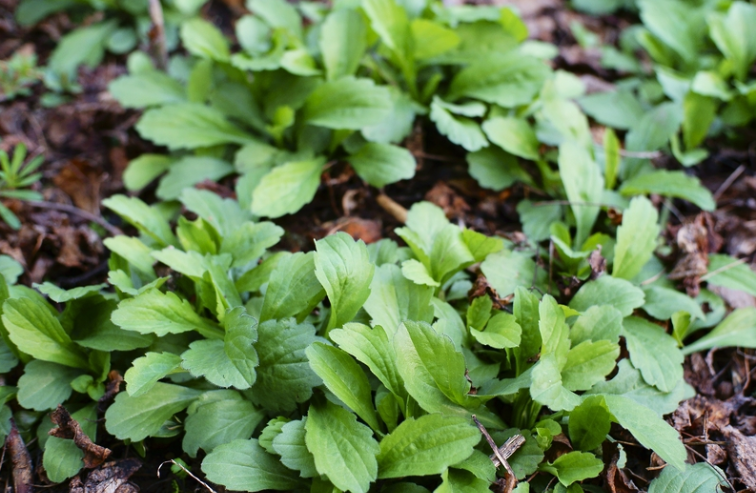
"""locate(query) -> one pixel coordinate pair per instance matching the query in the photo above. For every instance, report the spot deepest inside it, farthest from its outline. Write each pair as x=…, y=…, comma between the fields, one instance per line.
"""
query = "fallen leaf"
x=742, y=451
x=69, y=428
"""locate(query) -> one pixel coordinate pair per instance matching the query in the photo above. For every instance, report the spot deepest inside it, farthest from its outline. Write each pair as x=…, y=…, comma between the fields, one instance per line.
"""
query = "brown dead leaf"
x=715, y=454
x=94, y=455
x=112, y=387
x=597, y=263
x=367, y=230
x=742, y=451
x=616, y=479
x=111, y=477
x=81, y=181
x=695, y=240
x=734, y=297
x=20, y=460
x=449, y=200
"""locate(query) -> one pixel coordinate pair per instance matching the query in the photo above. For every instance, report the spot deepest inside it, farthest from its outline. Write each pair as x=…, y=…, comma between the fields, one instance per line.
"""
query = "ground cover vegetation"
x=390, y=365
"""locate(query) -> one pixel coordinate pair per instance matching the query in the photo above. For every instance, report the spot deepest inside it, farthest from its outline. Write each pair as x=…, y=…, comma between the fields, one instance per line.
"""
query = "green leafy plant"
x=17, y=75
x=15, y=175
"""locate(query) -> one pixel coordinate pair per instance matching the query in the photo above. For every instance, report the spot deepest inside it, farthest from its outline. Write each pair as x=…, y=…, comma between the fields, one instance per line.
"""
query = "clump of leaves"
x=15, y=175
x=17, y=75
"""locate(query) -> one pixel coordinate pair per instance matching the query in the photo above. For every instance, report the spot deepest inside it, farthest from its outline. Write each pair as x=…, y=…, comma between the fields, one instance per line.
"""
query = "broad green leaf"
x=417, y=272
x=612, y=158
x=344, y=270
x=560, y=121
x=547, y=388
x=241, y=334
x=93, y=328
x=82, y=46
x=10, y=269
x=662, y=303
x=431, y=39
x=460, y=481
x=727, y=272
x=134, y=251
x=270, y=432
x=242, y=465
x=136, y=418
x=537, y=218
x=695, y=478
x=189, y=126
x=344, y=449
x=278, y=13
x=700, y=112
x=394, y=299
x=514, y=135
x=207, y=358
x=203, y=39
x=343, y=40
x=648, y=428
x=290, y=445
x=426, y=446
x=146, y=89
x=479, y=313
x=589, y=424
x=45, y=385
x=508, y=269
x=62, y=459
x=502, y=331
x=480, y=245
x=188, y=171
x=383, y=164
x=389, y=20
x=653, y=352
x=588, y=363
x=495, y=169
x=344, y=377
x=607, y=290
x=35, y=331
x=616, y=109
x=219, y=422
x=651, y=133
x=59, y=295
x=154, y=312
x=224, y=214
x=372, y=348
x=671, y=184
x=737, y=330
x=460, y=130
x=146, y=219
x=347, y=103
x=733, y=36
x=596, y=324
x=508, y=79
x=675, y=23
x=287, y=188
x=636, y=238
x=293, y=287
x=284, y=376
x=398, y=125
x=584, y=185
x=480, y=465
x=249, y=241
x=147, y=370
x=554, y=331
x=574, y=466
x=526, y=310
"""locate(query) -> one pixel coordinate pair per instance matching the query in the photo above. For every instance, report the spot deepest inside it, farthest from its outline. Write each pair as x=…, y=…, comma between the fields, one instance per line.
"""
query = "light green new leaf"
x=662, y=303
x=554, y=331
x=242, y=465
x=35, y=331
x=431, y=39
x=417, y=272
x=507, y=270
x=653, y=352
x=344, y=449
x=584, y=185
x=59, y=295
x=648, y=428
x=146, y=89
x=382, y=164
x=502, y=331
x=574, y=466
x=189, y=126
x=390, y=21
x=284, y=376
x=676, y=23
x=671, y=184
x=596, y=324
x=249, y=241
x=204, y=40
x=495, y=169
x=514, y=135
x=343, y=40
x=146, y=219
x=394, y=299
x=154, y=312
x=290, y=445
x=547, y=388
x=458, y=129
x=347, y=103
x=188, y=171
x=588, y=363
x=218, y=422
x=612, y=158
x=45, y=385
x=607, y=290
x=344, y=377
x=636, y=238
x=728, y=272
x=278, y=13
x=617, y=109
x=733, y=35
x=589, y=424
x=293, y=287
x=287, y=188
x=241, y=334
x=737, y=330
x=508, y=79
x=147, y=370
x=426, y=446
x=136, y=418
x=207, y=358
x=696, y=478
x=343, y=267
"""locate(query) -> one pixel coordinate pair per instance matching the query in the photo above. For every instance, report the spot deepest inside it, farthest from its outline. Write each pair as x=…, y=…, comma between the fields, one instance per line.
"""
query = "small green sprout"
x=14, y=177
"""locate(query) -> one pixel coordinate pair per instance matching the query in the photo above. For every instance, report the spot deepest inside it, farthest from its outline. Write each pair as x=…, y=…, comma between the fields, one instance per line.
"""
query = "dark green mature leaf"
x=293, y=287
x=574, y=466
x=426, y=446
x=287, y=188
x=394, y=299
x=636, y=238
x=596, y=324
x=249, y=241
x=617, y=109
x=607, y=290
x=589, y=424
x=189, y=126
x=495, y=169
x=241, y=334
x=458, y=129
x=284, y=377
x=347, y=103
x=219, y=422
x=588, y=363
x=728, y=272
x=188, y=171
x=146, y=89
x=460, y=481
x=696, y=478
x=671, y=184
x=584, y=185
x=147, y=370
x=737, y=330
x=344, y=377
x=224, y=214
x=653, y=352
x=136, y=418
x=344, y=449
x=547, y=388
x=35, y=331
x=383, y=164
x=344, y=270
x=290, y=445
x=62, y=459
x=508, y=79
x=343, y=40
x=242, y=465
x=207, y=358
x=662, y=303
x=733, y=36
x=45, y=385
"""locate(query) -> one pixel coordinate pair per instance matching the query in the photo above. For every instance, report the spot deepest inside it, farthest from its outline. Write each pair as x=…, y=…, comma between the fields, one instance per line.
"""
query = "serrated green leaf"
x=671, y=184
x=347, y=103
x=207, y=358
x=584, y=185
x=458, y=129
x=417, y=272
x=134, y=251
x=290, y=445
x=147, y=370
x=146, y=89
x=383, y=164
x=737, y=330
x=45, y=385
x=293, y=287
x=394, y=299
x=203, y=39
x=242, y=465
x=514, y=135
x=695, y=478
x=241, y=334
x=136, y=418
x=219, y=422
x=727, y=272
x=224, y=214
x=654, y=353
x=607, y=290
x=636, y=238
x=574, y=466
x=343, y=40
x=588, y=363
x=426, y=446
x=188, y=171
x=59, y=295
x=547, y=388
x=344, y=377
x=502, y=331
x=507, y=270
x=459, y=481
x=146, y=219
x=344, y=450
x=596, y=324
x=590, y=423
x=287, y=188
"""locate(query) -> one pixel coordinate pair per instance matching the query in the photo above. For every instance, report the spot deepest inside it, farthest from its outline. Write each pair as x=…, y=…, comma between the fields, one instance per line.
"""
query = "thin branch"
x=188, y=472
x=724, y=268
x=729, y=181
x=392, y=207
x=544, y=203
x=158, y=34
x=70, y=209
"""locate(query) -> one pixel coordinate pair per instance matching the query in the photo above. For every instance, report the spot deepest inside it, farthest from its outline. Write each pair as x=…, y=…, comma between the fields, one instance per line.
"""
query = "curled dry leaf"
x=111, y=477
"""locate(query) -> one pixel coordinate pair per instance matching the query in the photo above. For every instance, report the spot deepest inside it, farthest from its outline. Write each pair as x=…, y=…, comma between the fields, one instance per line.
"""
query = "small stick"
x=728, y=182
x=188, y=472
x=392, y=207
x=114, y=231
x=501, y=454
x=724, y=268
x=157, y=35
